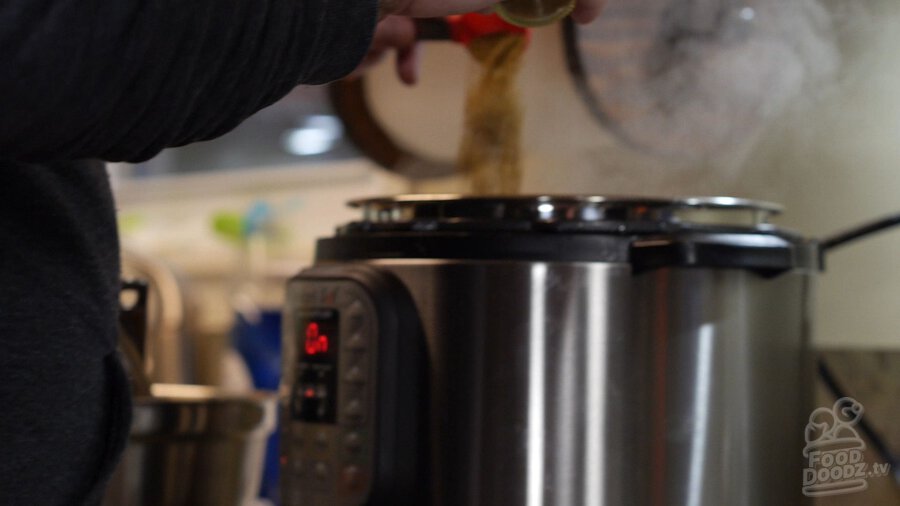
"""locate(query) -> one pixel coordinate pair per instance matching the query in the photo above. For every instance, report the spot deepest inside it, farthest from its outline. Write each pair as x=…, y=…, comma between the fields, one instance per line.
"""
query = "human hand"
x=394, y=33
x=397, y=31
x=431, y=8
x=585, y=10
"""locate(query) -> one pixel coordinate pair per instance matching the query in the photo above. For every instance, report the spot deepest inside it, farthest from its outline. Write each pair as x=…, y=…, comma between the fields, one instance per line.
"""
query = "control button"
x=355, y=316
x=322, y=439
x=353, y=442
x=297, y=403
x=352, y=479
x=294, y=496
x=355, y=375
x=357, y=321
x=298, y=467
x=321, y=471
x=356, y=341
x=354, y=410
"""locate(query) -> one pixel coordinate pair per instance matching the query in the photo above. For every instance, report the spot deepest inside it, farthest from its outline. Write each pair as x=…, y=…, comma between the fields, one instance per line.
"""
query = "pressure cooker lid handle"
x=766, y=255
x=859, y=232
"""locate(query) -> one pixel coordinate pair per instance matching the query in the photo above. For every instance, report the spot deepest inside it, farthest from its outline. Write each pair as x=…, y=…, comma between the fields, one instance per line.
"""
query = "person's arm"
x=123, y=79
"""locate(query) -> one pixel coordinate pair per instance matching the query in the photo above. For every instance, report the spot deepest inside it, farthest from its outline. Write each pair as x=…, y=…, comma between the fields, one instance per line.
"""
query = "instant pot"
x=564, y=351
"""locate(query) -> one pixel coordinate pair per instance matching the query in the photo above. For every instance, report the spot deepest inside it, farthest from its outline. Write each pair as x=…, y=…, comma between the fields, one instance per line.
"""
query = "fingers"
x=393, y=33
x=436, y=8
x=408, y=64
x=587, y=10
x=398, y=32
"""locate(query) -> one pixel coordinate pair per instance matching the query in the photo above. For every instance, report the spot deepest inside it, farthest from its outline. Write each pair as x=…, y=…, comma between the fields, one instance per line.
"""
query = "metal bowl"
x=194, y=445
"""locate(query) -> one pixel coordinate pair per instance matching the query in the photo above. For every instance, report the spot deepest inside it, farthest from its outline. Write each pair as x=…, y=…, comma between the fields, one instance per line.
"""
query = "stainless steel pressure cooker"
x=555, y=351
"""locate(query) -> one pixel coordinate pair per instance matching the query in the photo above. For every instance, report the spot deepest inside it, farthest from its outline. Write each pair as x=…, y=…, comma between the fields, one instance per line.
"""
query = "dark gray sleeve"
x=123, y=79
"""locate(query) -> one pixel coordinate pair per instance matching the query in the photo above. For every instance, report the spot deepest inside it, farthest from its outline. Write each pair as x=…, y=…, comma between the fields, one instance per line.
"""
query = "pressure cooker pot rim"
x=648, y=233
x=689, y=201
x=563, y=213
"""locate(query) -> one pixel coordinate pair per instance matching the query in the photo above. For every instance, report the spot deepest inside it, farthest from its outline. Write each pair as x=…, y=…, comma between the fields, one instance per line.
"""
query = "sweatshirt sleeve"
x=121, y=80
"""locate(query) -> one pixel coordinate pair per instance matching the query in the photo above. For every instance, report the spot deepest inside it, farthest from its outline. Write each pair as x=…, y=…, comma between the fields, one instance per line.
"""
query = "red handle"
x=466, y=27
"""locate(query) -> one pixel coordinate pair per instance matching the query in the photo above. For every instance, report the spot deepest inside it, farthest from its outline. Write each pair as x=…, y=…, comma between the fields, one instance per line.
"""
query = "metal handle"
x=825, y=246
x=859, y=232
x=133, y=335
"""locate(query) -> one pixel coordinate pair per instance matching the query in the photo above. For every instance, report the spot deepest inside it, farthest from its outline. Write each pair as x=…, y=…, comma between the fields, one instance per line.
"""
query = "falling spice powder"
x=490, y=152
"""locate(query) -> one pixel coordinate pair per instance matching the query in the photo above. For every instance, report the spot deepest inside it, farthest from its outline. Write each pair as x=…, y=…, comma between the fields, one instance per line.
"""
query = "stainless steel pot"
x=564, y=351
x=194, y=446
x=189, y=445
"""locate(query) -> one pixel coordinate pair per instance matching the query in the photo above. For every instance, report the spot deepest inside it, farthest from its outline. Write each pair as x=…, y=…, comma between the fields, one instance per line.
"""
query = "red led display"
x=316, y=343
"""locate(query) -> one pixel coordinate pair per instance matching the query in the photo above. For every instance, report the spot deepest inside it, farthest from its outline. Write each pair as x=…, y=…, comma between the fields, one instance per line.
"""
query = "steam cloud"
x=715, y=72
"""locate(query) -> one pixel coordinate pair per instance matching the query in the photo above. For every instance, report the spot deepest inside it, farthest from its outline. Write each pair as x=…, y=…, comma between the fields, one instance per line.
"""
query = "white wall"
x=837, y=165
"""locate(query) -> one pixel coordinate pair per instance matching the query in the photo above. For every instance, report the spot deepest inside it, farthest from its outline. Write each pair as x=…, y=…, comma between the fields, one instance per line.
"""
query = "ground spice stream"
x=490, y=152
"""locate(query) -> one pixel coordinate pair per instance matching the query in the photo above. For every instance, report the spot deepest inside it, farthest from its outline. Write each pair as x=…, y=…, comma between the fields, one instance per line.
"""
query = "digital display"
x=317, y=341
x=317, y=331
x=315, y=388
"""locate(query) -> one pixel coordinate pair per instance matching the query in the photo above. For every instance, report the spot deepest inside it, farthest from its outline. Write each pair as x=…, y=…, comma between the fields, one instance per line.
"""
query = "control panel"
x=340, y=410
